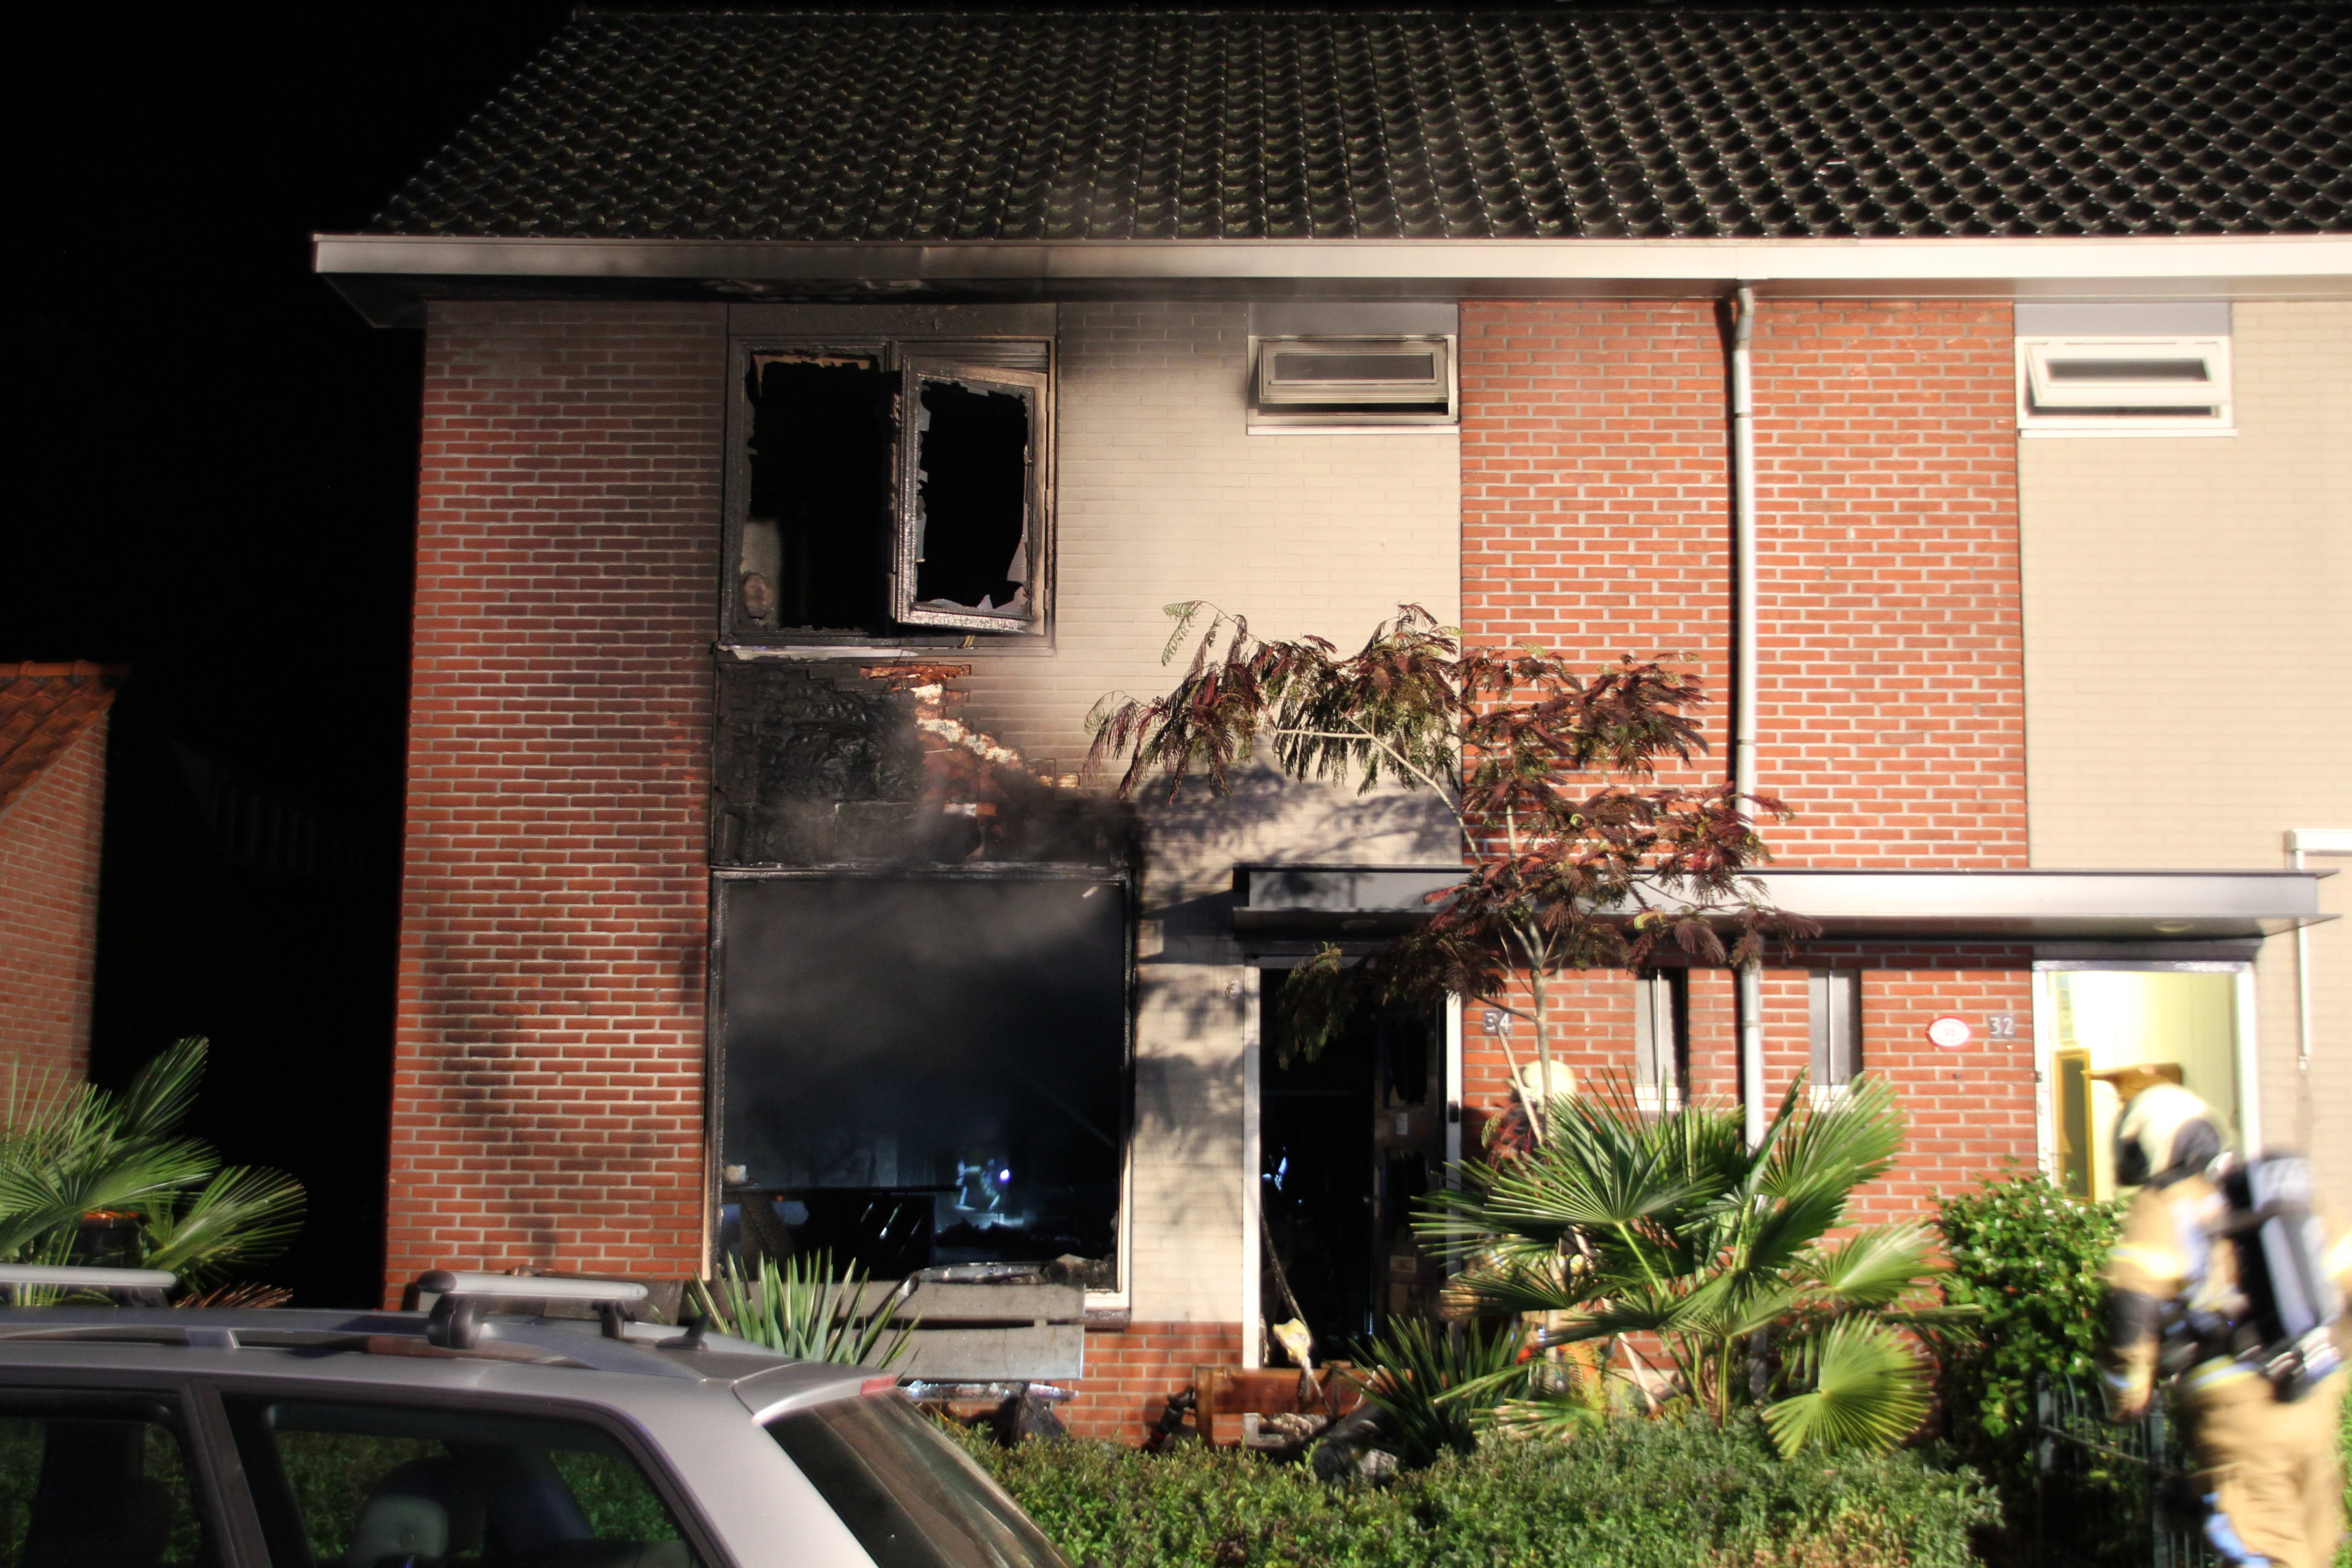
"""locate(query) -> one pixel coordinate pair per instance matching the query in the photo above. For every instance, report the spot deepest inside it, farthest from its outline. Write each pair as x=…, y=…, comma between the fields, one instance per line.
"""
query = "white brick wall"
x=2188, y=666
x=1165, y=496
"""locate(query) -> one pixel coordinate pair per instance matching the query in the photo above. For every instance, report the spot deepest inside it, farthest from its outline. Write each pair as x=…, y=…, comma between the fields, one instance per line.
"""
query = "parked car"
x=134, y=1435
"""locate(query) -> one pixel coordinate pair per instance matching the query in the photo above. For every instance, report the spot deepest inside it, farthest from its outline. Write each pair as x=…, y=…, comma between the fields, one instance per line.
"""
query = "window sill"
x=1022, y=644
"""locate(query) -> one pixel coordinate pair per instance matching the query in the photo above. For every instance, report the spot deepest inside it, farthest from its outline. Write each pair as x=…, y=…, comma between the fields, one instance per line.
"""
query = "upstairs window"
x=2124, y=386
x=884, y=487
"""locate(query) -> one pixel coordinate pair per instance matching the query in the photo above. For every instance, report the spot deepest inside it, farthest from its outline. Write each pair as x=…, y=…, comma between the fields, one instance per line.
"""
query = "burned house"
x=819, y=411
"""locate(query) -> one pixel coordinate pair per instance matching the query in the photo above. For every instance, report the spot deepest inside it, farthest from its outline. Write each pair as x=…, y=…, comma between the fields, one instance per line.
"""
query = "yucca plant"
x=69, y=1150
x=1440, y=1387
x=1671, y=1227
x=797, y=1308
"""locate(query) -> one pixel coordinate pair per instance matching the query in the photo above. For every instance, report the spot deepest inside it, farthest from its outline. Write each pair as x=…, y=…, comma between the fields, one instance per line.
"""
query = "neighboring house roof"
x=1045, y=127
x=42, y=708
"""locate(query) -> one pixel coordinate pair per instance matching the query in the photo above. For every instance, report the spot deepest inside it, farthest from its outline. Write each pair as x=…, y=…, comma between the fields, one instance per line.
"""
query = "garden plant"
x=1671, y=1227
x=71, y=1152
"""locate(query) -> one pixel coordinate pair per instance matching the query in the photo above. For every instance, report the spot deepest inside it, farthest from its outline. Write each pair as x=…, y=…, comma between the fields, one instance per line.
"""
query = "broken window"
x=925, y=1071
x=892, y=486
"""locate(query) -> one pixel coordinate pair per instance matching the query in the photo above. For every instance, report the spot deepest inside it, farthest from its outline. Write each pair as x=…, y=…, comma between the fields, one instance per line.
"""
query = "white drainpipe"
x=1744, y=683
x=2302, y=841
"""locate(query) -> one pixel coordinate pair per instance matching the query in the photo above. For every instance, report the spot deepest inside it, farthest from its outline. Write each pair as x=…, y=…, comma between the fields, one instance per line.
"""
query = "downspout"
x=1744, y=683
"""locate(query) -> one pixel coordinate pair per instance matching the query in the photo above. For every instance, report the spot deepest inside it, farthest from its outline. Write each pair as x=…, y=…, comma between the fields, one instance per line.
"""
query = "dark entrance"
x=1347, y=1143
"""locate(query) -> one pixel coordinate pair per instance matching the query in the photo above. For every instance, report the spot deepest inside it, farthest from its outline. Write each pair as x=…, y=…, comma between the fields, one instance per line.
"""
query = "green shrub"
x=2028, y=1257
x=1632, y=1494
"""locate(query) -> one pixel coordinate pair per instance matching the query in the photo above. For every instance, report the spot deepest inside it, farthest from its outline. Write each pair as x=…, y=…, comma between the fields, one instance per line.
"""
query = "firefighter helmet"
x=2165, y=1133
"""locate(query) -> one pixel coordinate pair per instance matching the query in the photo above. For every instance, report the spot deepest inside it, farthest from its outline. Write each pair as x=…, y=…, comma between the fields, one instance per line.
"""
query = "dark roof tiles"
x=930, y=127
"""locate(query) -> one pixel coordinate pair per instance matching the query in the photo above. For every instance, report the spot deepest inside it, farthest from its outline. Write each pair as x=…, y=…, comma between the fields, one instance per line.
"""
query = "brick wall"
x=1596, y=519
x=1130, y=1372
x=547, y=1101
x=49, y=907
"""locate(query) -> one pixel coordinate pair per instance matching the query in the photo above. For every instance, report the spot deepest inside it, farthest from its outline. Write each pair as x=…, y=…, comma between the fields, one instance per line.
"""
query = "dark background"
x=216, y=483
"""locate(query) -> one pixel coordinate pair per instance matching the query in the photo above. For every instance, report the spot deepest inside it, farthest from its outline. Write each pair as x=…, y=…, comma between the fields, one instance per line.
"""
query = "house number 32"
x=2001, y=1026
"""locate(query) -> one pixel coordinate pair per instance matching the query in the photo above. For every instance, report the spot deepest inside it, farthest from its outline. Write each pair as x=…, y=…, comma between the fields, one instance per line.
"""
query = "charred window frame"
x=891, y=491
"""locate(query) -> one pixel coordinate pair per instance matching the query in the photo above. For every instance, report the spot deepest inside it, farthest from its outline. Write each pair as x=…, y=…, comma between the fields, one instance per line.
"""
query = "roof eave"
x=388, y=278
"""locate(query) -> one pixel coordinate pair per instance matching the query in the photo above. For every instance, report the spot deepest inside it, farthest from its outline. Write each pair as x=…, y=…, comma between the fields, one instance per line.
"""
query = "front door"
x=1348, y=1143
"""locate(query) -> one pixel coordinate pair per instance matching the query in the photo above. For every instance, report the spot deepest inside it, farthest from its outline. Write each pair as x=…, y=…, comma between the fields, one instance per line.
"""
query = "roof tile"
x=932, y=127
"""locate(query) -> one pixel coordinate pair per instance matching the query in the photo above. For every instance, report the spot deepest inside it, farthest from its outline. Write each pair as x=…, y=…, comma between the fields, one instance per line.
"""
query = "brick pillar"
x=546, y=1098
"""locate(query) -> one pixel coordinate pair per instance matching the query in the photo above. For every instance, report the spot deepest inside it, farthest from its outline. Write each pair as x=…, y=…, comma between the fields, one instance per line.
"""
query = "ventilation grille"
x=2123, y=384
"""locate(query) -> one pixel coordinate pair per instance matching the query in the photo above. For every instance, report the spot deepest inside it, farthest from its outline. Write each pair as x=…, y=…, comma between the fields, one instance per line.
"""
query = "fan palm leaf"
x=1868, y=1390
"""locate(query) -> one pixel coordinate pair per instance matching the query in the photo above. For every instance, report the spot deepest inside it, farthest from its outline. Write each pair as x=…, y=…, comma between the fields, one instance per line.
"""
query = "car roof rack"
x=134, y=1286
x=461, y=1296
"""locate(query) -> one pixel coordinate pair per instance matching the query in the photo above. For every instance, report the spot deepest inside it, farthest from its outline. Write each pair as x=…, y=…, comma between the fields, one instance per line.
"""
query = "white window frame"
x=2050, y=404
x=1658, y=1029
x=1822, y=989
x=1352, y=408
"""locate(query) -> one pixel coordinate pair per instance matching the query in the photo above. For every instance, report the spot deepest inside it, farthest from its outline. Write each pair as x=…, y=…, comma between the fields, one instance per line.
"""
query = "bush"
x=2028, y=1257
x=1633, y=1494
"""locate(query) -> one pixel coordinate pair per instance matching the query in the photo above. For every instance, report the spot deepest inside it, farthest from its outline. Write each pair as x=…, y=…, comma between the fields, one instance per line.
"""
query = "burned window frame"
x=994, y=361
x=1124, y=878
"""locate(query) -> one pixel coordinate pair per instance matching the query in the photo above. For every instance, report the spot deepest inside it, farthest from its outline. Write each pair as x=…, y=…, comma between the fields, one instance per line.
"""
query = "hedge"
x=1636, y=1494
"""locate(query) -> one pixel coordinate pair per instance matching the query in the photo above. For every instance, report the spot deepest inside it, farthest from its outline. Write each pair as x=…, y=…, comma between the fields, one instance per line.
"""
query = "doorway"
x=2181, y=1023
x=1348, y=1143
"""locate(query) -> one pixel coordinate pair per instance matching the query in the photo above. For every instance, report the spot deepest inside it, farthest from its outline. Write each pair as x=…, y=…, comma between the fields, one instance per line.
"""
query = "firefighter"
x=2261, y=1420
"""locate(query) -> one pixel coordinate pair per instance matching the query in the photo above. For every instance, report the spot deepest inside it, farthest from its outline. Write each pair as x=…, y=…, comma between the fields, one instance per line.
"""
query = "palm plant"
x=1673, y=1227
x=69, y=1150
x=796, y=1307
x=1439, y=1388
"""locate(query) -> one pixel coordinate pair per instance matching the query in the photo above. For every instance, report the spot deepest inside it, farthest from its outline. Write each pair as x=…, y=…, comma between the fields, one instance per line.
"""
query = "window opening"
x=1833, y=1011
x=1661, y=1038
x=97, y=1479
x=815, y=545
x=393, y=1483
x=890, y=485
x=924, y=1072
x=967, y=540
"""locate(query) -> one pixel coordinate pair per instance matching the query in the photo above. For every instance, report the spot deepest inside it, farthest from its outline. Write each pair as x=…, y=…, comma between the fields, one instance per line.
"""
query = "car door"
x=122, y=1475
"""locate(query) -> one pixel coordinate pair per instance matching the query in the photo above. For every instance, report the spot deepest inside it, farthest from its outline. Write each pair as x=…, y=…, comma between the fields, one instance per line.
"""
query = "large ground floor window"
x=919, y=1071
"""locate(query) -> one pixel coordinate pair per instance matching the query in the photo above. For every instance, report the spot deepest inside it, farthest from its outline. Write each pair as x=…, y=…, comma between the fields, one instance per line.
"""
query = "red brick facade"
x=1596, y=482
x=1130, y=1372
x=49, y=907
x=547, y=1104
x=549, y=1098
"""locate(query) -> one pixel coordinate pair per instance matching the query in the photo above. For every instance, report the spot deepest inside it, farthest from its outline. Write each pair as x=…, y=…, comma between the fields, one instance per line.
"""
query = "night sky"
x=215, y=483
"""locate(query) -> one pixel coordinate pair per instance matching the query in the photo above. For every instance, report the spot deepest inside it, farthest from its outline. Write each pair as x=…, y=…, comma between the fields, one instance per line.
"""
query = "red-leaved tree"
x=1575, y=856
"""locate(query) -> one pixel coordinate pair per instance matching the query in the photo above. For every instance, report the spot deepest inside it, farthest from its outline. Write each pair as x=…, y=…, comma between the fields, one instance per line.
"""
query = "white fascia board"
x=2253, y=266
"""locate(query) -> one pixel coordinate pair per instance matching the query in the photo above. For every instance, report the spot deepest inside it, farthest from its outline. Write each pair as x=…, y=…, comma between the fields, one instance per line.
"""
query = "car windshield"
x=912, y=1499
